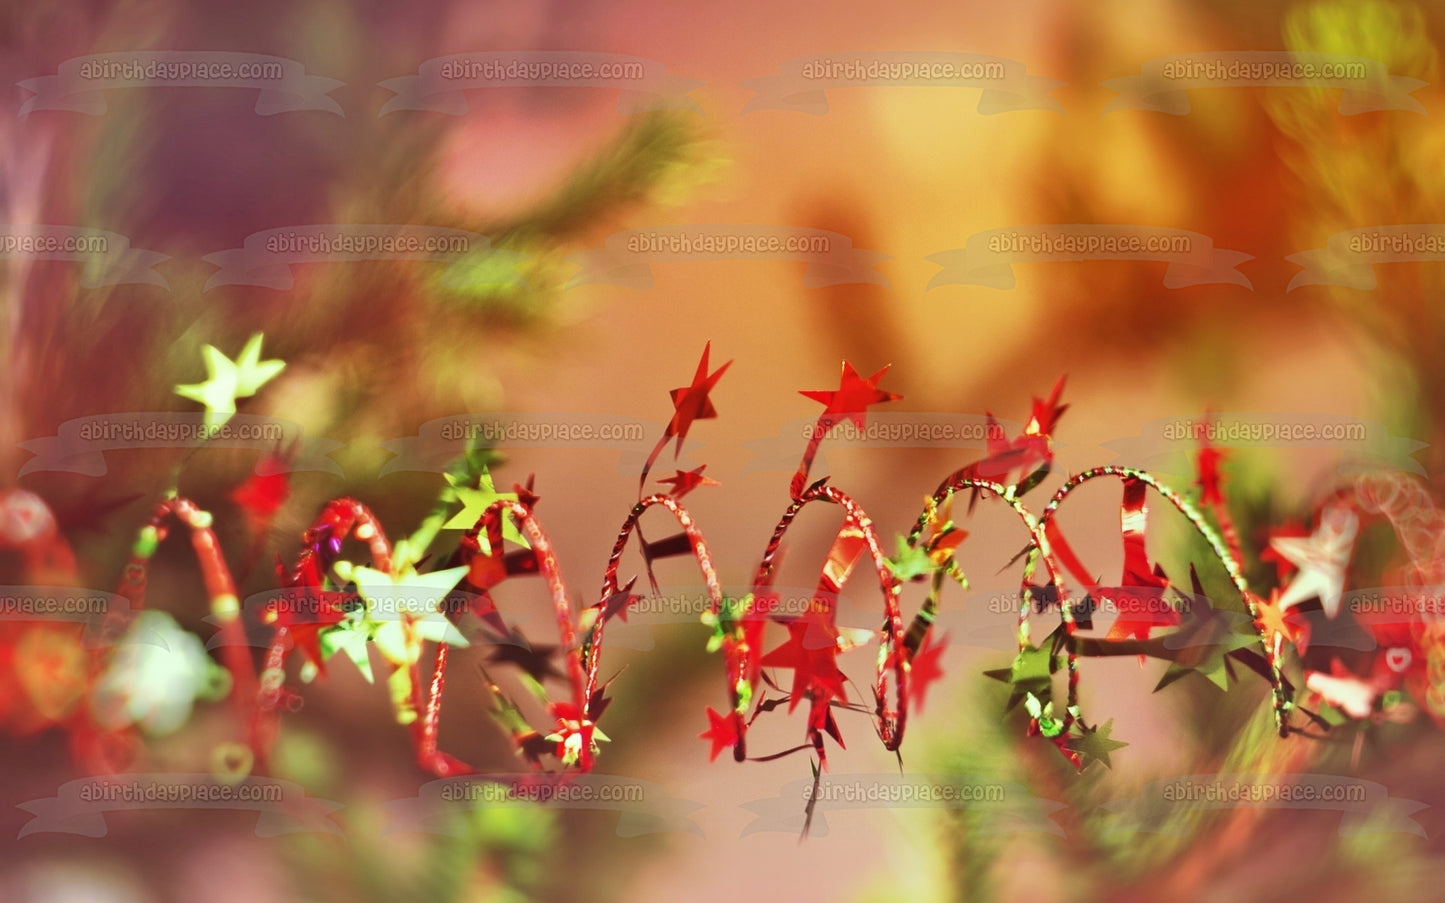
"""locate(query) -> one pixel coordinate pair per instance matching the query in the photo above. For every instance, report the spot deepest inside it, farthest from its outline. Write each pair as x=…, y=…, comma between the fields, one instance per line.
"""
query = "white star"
x=1349, y=694
x=1321, y=559
x=413, y=599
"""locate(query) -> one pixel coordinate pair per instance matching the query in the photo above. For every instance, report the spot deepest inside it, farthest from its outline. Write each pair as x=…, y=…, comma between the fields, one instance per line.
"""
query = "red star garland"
x=691, y=402
x=815, y=639
x=849, y=402
x=1410, y=645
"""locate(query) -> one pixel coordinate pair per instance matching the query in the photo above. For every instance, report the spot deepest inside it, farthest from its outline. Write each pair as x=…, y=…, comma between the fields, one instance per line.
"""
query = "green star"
x=1031, y=672
x=414, y=596
x=227, y=380
x=911, y=562
x=349, y=637
x=1206, y=648
x=1094, y=744
x=474, y=502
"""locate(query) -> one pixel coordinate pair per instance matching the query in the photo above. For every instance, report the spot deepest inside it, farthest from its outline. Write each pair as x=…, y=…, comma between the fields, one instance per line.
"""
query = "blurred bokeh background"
x=374, y=349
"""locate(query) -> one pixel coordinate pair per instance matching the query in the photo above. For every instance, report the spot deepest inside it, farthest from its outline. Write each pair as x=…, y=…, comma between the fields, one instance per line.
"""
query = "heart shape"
x=1398, y=658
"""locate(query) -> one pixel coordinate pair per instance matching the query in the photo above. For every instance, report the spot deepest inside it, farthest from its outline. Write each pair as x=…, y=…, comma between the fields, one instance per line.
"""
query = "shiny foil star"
x=1321, y=558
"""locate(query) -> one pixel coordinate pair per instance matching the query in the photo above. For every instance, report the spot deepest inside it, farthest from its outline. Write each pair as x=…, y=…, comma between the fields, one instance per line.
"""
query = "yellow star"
x=227, y=380
x=410, y=598
x=474, y=502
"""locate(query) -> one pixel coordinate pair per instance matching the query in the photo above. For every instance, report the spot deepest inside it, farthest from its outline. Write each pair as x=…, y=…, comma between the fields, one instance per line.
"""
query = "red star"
x=263, y=493
x=722, y=731
x=686, y=481
x=1140, y=604
x=1276, y=620
x=924, y=668
x=618, y=603
x=524, y=493
x=304, y=611
x=486, y=571
x=815, y=669
x=1047, y=411
x=852, y=397
x=691, y=402
x=575, y=726
x=1030, y=450
x=1209, y=476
